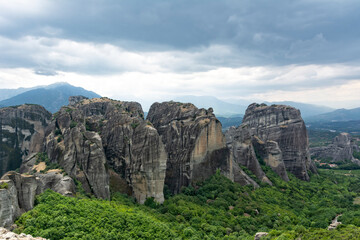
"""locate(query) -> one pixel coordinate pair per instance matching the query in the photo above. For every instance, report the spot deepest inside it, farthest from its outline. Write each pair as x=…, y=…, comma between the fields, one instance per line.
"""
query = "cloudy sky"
x=298, y=50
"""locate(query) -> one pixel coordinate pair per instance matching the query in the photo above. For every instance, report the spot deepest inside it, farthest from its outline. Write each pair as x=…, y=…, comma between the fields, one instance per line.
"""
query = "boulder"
x=260, y=235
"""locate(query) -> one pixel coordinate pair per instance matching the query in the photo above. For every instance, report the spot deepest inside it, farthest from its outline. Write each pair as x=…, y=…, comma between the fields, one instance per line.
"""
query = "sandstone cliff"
x=239, y=141
x=21, y=134
x=194, y=144
x=341, y=149
x=90, y=136
x=284, y=125
x=277, y=136
x=18, y=192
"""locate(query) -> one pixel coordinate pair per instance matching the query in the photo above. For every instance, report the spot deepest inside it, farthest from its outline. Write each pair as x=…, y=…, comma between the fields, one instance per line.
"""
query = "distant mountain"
x=52, y=97
x=305, y=108
x=234, y=107
x=230, y=121
x=221, y=108
x=336, y=116
x=8, y=93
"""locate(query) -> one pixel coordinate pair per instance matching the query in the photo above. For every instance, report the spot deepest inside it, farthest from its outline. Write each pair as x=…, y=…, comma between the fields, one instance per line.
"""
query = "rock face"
x=90, y=136
x=341, y=149
x=193, y=141
x=239, y=141
x=271, y=154
x=9, y=206
x=276, y=135
x=19, y=190
x=283, y=125
x=21, y=134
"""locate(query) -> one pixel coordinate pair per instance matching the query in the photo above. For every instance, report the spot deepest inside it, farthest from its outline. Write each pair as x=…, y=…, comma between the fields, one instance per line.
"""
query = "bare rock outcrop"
x=22, y=130
x=260, y=235
x=18, y=192
x=283, y=125
x=91, y=136
x=9, y=206
x=239, y=141
x=340, y=150
x=271, y=154
x=194, y=143
x=6, y=234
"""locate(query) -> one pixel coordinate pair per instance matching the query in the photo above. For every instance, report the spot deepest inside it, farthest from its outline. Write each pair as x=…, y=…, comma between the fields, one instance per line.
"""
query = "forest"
x=214, y=209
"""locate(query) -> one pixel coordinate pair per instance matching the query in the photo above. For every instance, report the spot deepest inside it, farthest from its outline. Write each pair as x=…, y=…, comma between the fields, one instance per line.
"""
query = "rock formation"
x=260, y=235
x=340, y=150
x=276, y=135
x=90, y=136
x=271, y=154
x=6, y=234
x=21, y=134
x=194, y=144
x=284, y=125
x=239, y=141
x=18, y=192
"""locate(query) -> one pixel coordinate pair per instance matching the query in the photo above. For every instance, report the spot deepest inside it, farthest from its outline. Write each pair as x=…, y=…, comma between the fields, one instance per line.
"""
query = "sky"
x=236, y=50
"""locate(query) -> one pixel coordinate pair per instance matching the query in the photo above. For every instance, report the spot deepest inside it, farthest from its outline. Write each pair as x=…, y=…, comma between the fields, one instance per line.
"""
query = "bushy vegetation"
x=4, y=185
x=213, y=209
x=43, y=157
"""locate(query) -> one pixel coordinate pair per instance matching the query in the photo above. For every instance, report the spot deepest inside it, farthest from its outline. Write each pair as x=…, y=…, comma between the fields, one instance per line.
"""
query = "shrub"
x=4, y=185
x=73, y=124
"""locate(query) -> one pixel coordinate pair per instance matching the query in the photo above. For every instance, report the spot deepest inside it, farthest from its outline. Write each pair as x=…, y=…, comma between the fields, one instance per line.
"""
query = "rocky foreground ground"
x=6, y=234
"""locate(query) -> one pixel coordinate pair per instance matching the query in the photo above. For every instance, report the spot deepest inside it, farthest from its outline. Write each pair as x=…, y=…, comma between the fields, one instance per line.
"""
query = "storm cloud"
x=229, y=49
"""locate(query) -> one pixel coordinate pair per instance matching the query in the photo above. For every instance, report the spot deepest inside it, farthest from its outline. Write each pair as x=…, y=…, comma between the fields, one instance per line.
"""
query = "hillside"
x=214, y=209
x=337, y=115
x=230, y=121
x=52, y=97
x=8, y=93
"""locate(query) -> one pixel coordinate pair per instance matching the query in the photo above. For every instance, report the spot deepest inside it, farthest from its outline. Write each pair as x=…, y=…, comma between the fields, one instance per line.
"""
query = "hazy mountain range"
x=230, y=112
x=52, y=97
x=337, y=115
x=236, y=108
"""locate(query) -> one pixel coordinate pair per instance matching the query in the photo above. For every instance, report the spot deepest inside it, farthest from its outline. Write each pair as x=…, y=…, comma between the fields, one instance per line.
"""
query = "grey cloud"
x=45, y=72
x=260, y=32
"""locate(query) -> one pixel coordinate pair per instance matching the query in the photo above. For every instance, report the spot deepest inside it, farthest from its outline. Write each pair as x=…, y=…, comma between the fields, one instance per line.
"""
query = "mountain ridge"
x=52, y=97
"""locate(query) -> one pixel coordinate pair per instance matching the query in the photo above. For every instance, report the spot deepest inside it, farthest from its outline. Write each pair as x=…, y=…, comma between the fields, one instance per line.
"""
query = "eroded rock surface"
x=21, y=134
x=90, y=136
x=239, y=141
x=283, y=125
x=341, y=149
x=19, y=191
x=9, y=206
x=6, y=234
x=193, y=141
